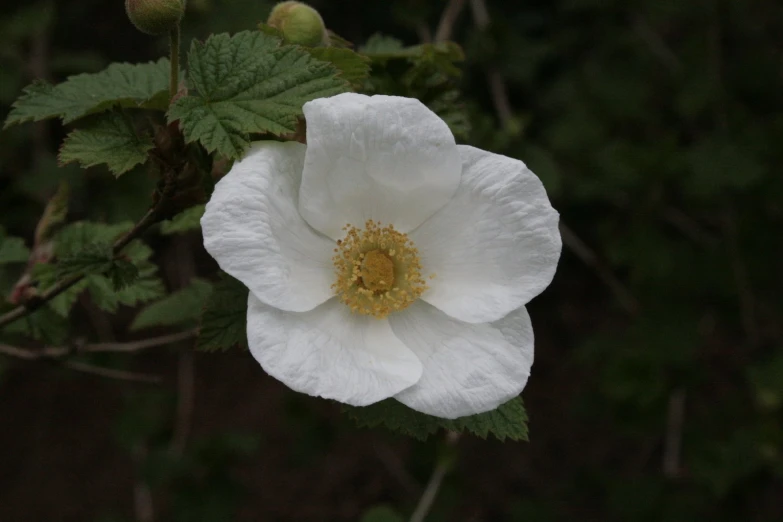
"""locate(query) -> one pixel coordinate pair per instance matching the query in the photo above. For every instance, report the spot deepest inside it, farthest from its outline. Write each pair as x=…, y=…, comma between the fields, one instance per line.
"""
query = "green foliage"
x=44, y=325
x=93, y=258
x=353, y=67
x=12, y=249
x=121, y=84
x=508, y=421
x=248, y=84
x=84, y=248
x=187, y=220
x=110, y=140
x=182, y=306
x=224, y=321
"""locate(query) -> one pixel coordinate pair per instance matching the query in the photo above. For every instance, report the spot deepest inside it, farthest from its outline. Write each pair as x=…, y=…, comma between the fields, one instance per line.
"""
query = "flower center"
x=378, y=270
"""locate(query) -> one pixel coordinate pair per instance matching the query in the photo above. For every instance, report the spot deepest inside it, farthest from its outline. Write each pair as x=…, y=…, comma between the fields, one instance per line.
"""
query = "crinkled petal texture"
x=468, y=368
x=330, y=352
x=253, y=229
x=495, y=245
x=384, y=158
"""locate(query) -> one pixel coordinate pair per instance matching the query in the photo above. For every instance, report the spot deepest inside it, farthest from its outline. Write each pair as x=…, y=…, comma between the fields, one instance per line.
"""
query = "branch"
x=57, y=352
x=497, y=86
x=111, y=373
x=448, y=19
x=36, y=302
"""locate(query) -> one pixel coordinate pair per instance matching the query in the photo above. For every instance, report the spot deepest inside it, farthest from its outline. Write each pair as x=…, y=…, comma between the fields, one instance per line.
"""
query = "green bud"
x=299, y=24
x=155, y=16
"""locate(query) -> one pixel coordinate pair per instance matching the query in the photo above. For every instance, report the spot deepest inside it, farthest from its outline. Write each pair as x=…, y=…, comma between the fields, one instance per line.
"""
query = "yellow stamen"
x=378, y=270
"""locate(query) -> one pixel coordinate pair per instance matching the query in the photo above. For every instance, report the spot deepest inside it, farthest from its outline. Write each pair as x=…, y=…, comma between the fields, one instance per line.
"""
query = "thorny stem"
x=174, y=60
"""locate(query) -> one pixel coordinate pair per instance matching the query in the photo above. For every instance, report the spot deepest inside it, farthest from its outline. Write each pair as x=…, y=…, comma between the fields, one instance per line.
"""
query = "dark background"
x=658, y=385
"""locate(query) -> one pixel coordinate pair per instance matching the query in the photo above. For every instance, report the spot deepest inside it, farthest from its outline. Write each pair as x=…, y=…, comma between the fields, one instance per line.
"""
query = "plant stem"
x=442, y=468
x=174, y=60
x=29, y=307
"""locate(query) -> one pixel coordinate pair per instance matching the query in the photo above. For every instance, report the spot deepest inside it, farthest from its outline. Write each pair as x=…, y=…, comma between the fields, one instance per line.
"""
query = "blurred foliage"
x=655, y=127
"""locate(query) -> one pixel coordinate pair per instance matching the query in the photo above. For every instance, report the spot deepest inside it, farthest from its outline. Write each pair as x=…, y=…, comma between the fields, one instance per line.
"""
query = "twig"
x=673, y=441
x=590, y=258
x=111, y=373
x=448, y=19
x=442, y=468
x=56, y=352
x=27, y=308
x=497, y=86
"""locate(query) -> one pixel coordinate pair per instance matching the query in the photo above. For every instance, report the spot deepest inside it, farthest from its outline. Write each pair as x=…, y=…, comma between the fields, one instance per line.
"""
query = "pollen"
x=378, y=270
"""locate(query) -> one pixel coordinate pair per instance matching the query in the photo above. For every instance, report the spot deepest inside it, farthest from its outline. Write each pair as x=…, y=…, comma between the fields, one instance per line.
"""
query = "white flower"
x=383, y=260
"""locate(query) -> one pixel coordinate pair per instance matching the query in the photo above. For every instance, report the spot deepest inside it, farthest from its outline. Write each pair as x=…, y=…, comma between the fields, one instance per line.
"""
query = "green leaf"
x=146, y=287
x=94, y=258
x=122, y=84
x=509, y=421
x=381, y=44
x=122, y=273
x=246, y=84
x=182, y=306
x=12, y=249
x=78, y=236
x=224, y=321
x=110, y=140
x=185, y=221
x=85, y=247
x=353, y=66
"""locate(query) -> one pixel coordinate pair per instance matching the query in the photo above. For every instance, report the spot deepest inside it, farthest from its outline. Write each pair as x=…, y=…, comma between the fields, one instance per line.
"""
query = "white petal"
x=495, y=245
x=330, y=352
x=253, y=229
x=384, y=158
x=468, y=368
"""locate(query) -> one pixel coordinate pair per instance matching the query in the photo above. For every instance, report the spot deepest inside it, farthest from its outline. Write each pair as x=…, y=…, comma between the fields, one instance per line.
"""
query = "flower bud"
x=299, y=24
x=155, y=16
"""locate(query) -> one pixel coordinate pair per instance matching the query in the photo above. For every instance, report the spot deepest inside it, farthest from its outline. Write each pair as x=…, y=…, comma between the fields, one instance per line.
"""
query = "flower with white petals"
x=383, y=260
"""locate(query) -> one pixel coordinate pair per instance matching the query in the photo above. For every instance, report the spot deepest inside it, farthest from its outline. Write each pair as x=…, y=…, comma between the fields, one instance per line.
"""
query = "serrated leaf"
x=79, y=235
x=224, y=321
x=122, y=84
x=353, y=66
x=12, y=249
x=182, y=306
x=93, y=258
x=246, y=84
x=122, y=273
x=185, y=221
x=509, y=421
x=146, y=287
x=110, y=140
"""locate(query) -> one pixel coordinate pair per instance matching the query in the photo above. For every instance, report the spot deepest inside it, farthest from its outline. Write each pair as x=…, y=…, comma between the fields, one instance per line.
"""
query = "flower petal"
x=495, y=245
x=468, y=368
x=384, y=158
x=330, y=352
x=253, y=229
